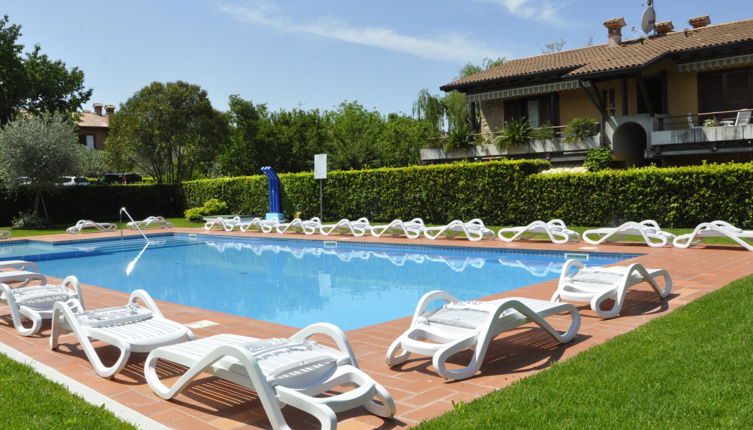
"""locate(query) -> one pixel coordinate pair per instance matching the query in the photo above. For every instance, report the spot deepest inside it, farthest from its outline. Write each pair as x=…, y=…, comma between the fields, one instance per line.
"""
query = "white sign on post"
x=320, y=166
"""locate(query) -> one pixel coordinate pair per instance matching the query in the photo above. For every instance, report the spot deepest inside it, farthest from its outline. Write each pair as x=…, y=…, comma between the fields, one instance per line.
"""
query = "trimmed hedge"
x=69, y=204
x=500, y=193
x=503, y=193
x=435, y=193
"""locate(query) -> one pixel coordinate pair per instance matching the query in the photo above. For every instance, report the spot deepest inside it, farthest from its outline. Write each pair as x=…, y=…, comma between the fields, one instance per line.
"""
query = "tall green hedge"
x=435, y=193
x=500, y=193
x=503, y=193
x=69, y=204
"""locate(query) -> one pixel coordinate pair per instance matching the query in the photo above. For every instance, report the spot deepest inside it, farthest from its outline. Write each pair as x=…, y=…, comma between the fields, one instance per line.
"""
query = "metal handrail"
x=124, y=210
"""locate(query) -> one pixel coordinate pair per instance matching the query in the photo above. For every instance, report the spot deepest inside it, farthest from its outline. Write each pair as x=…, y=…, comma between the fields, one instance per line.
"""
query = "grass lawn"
x=31, y=401
x=689, y=369
x=60, y=229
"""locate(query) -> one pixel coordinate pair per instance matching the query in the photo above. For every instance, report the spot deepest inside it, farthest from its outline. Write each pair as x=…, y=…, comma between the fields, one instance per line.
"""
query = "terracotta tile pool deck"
x=418, y=392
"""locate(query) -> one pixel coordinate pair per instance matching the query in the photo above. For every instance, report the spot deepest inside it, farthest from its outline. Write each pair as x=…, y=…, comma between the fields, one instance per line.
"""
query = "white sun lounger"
x=648, y=229
x=292, y=371
x=556, y=230
x=597, y=284
x=298, y=225
x=130, y=328
x=227, y=224
x=4, y=234
x=87, y=223
x=150, y=222
x=262, y=225
x=36, y=302
x=19, y=265
x=357, y=228
x=22, y=276
x=411, y=229
x=457, y=326
x=715, y=229
x=474, y=230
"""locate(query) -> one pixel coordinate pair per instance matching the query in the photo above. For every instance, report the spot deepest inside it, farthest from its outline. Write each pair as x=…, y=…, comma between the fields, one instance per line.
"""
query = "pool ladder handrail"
x=123, y=210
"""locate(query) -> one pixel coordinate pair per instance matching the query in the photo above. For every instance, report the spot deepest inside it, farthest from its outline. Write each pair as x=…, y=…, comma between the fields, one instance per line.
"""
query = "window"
x=86, y=139
x=725, y=90
x=610, y=101
x=539, y=111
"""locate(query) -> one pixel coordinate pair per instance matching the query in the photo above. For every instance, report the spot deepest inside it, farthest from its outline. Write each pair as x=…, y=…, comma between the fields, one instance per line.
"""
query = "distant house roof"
x=91, y=119
x=630, y=54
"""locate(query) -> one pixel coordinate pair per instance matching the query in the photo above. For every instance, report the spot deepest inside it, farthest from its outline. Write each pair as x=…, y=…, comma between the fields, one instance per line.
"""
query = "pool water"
x=292, y=281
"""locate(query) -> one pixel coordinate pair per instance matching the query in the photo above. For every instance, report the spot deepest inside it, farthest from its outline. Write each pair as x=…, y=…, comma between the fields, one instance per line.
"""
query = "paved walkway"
x=418, y=391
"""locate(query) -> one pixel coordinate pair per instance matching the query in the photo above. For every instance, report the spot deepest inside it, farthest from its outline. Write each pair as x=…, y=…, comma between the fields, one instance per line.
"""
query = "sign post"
x=320, y=173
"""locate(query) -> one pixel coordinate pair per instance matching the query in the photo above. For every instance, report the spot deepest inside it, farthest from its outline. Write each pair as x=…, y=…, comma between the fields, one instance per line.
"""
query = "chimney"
x=614, y=27
x=663, y=27
x=110, y=109
x=98, y=108
x=699, y=21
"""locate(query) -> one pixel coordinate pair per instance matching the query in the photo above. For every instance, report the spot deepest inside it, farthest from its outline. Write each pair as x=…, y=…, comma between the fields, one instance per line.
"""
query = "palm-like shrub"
x=579, y=129
x=517, y=132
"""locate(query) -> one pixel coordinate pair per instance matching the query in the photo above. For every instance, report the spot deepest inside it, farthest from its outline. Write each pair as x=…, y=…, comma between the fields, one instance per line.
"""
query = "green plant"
x=579, y=129
x=517, y=132
x=29, y=220
x=543, y=133
x=598, y=158
x=710, y=122
x=210, y=207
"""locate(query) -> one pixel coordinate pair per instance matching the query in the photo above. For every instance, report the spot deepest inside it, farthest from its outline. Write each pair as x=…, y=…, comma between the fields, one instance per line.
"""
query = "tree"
x=42, y=148
x=402, y=139
x=486, y=64
x=35, y=83
x=246, y=151
x=554, y=46
x=354, y=134
x=168, y=130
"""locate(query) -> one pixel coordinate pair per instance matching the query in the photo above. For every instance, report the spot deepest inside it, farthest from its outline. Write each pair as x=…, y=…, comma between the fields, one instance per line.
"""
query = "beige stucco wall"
x=574, y=104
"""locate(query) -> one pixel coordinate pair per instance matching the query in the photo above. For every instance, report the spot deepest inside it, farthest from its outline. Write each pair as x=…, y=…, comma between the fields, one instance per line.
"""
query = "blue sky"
x=316, y=54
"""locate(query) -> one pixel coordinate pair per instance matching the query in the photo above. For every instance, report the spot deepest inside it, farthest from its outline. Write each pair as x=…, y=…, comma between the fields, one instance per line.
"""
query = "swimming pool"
x=293, y=281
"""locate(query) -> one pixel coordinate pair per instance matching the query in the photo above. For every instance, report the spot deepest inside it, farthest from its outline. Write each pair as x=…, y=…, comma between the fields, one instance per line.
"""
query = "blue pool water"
x=292, y=281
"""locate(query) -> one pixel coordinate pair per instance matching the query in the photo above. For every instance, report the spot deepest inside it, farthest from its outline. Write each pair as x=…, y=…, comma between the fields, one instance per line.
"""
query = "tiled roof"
x=603, y=58
x=90, y=119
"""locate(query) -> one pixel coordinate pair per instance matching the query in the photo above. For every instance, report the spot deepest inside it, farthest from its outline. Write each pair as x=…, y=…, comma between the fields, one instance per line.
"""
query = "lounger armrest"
x=331, y=331
x=427, y=299
x=564, y=276
x=148, y=301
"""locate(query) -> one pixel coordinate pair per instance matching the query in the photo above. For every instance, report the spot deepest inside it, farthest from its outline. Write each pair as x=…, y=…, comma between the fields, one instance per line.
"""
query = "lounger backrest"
x=743, y=118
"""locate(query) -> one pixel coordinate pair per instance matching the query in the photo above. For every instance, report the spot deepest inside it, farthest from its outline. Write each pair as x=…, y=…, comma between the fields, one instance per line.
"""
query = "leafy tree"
x=246, y=151
x=42, y=148
x=354, y=133
x=168, y=130
x=93, y=162
x=402, y=139
x=431, y=109
x=487, y=63
x=35, y=83
x=304, y=133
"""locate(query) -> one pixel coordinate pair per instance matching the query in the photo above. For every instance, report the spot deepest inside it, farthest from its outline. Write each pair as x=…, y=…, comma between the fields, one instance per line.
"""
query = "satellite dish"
x=649, y=19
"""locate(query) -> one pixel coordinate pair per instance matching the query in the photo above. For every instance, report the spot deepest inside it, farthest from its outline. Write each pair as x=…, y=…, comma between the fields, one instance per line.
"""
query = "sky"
x=316, y=54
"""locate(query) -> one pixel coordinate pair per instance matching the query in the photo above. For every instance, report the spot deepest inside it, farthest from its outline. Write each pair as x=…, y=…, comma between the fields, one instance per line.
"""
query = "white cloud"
x=446, y=47
x=544, y=11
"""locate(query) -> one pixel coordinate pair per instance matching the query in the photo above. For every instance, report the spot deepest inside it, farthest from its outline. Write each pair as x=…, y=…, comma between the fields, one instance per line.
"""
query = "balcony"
x=553, y=149
x=723, y=132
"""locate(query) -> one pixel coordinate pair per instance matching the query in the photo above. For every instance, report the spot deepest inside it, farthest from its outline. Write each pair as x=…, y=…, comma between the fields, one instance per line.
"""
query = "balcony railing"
x=697, y=120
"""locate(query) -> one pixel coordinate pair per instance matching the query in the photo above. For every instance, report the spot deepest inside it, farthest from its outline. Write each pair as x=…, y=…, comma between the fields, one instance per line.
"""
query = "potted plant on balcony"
x=579, y=129
x=516, y=132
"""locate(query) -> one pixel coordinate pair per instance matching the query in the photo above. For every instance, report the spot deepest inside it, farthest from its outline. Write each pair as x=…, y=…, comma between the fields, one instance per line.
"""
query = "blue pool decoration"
x=295, y=282
x=275, y=209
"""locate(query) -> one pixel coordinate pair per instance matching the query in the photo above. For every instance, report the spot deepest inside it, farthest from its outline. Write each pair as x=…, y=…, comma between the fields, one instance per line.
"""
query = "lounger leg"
x=36, y=321
x=394, y=360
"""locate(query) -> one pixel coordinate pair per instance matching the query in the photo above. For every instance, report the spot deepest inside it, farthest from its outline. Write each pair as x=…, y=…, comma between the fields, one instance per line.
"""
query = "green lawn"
x=689, y=369
x=31, y=401
x=60, y=229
